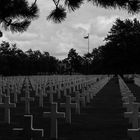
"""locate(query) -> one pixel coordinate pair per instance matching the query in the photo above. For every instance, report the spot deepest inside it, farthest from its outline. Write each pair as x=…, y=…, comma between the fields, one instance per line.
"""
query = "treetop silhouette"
x=63, y=6
x=16, y=15
x=119, y=55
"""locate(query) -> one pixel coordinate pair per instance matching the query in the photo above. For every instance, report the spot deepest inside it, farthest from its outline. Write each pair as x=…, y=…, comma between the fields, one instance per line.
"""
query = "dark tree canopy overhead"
x=16, y=15
x=63, y=6
x=121, y=52
x=133, y=6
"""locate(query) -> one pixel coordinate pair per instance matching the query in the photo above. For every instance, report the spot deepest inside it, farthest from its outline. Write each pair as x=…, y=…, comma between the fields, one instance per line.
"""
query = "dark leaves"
x=14, y=13
x=104, y=3
x=57, y=15
x=20, y=26
x=33, y=10
x=123, y=30
x=73, y=4
x=17, y=26
x=134, y=6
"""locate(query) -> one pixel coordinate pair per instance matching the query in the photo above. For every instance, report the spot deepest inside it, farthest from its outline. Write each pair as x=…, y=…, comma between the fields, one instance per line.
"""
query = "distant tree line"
x=119, y=55
x=13, y=61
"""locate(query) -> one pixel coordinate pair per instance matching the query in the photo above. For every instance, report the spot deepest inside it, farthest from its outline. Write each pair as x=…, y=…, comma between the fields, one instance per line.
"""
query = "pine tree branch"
x=56, y=3
x=34, y=3
x=20, y=26
x=16, y=26
x=8, y=23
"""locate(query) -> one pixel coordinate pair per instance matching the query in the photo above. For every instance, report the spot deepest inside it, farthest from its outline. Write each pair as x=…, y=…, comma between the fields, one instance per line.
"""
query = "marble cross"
x=54, y=115
x=68, y=105
x=7, y=105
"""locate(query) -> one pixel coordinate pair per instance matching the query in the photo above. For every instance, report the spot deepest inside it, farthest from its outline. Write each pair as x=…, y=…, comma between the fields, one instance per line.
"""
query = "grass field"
x=101, y=119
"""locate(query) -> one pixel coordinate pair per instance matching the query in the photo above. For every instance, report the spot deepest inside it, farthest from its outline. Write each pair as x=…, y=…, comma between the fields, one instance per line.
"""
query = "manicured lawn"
x=102, y=119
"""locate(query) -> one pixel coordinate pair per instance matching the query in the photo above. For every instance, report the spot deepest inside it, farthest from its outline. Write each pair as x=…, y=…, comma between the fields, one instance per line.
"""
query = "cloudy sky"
x=58, y=39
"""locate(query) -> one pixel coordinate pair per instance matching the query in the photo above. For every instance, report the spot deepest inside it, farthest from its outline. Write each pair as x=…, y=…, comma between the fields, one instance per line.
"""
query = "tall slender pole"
x=88, y=53
x=88, y=43
x=87, y=37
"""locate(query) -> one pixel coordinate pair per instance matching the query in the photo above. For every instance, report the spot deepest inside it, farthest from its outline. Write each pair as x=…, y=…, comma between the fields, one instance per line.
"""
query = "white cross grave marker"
x=129, y=103
x=68, y=105
x=129, y=98
x=28, y=131
x=134, y=115
x=54, y=115
x=126, y=93
x=1, y=95
x=7, y=105
x=134, y=134
x=41, y=97
x=51, y=92
x=77, y=100
x=27, y=100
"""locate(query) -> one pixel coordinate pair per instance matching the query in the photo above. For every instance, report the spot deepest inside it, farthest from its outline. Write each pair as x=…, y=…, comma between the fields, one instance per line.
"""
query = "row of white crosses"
x=132, y=110
x=53, y=114
x=58, y=88
x=68, y=105
x=137, y=80
x=27, y=99
x=36, y=79
x=11, y=85
x=88, y=93
x=28, y=129
x=7, y=104
x=5, y=97
x=40, y=95
x=98, y=85
x=57, y=78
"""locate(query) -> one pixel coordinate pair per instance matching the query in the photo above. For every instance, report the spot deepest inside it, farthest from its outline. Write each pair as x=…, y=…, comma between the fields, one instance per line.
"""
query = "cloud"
x=84, y=26
x=58, y=39
x=23, y=36
x=101, y=25
x=97, y=28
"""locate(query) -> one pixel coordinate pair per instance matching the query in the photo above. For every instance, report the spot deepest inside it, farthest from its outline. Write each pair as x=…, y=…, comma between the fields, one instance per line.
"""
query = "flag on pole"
x=86, y=37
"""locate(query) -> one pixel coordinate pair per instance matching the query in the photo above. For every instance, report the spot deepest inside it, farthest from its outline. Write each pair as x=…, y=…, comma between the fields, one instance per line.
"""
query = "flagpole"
x=87, y=37
x=88, y=43
x=88, y=53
